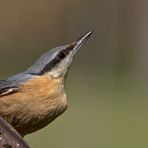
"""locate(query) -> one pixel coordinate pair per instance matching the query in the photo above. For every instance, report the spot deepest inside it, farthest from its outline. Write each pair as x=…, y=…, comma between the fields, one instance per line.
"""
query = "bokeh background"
x=107, y=86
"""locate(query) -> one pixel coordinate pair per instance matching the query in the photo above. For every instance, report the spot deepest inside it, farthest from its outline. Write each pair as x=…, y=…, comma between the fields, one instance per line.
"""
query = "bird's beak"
x=72, y=50
x=81, y=41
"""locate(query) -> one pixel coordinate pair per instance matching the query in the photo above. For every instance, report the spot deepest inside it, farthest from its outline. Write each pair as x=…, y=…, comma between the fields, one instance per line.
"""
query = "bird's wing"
x=11, y=84
x=6, y=87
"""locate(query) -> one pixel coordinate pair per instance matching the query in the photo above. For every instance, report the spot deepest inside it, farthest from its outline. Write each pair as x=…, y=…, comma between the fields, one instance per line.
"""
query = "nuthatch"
x=32, y=99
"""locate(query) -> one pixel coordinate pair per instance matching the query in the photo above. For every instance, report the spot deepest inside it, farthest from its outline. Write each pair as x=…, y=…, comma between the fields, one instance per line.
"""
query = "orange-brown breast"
x=38, y=102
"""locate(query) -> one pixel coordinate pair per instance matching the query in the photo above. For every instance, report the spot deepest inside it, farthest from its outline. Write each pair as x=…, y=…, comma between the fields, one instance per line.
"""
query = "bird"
x=32, y=99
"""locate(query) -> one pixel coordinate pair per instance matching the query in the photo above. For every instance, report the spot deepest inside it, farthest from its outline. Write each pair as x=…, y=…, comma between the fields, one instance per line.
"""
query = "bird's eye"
x=61, y=55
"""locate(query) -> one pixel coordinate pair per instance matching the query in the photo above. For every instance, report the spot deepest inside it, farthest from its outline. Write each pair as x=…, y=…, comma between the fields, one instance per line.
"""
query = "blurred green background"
x=107, y=86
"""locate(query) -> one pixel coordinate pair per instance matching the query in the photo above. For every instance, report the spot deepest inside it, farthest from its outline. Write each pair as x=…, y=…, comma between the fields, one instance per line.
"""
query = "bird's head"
x=57, y=61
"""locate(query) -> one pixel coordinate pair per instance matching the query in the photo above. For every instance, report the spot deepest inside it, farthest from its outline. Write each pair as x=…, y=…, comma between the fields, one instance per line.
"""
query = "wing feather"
x=6, y=88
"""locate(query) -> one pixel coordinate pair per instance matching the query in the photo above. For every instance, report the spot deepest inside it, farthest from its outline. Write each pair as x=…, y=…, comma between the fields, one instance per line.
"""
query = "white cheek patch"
x=61, y=68
x=53, y=73
x=57, y=71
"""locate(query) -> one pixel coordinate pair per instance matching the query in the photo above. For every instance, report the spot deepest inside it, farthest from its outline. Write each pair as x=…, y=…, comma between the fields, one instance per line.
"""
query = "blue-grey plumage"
x=42, y=84
x=47, y=59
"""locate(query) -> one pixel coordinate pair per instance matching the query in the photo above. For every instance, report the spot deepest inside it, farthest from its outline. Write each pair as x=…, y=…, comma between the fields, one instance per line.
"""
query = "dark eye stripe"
x=69, y=48
x=50, y=65
x=57, y=59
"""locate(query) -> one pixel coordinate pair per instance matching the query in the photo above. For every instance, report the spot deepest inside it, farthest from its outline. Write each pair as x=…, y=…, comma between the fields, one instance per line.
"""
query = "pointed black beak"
x=82, y=40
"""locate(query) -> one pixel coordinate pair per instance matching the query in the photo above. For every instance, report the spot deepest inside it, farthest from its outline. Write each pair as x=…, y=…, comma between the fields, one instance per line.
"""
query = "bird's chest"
x=49, y=111
x=48, y=96
x=47, y=101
